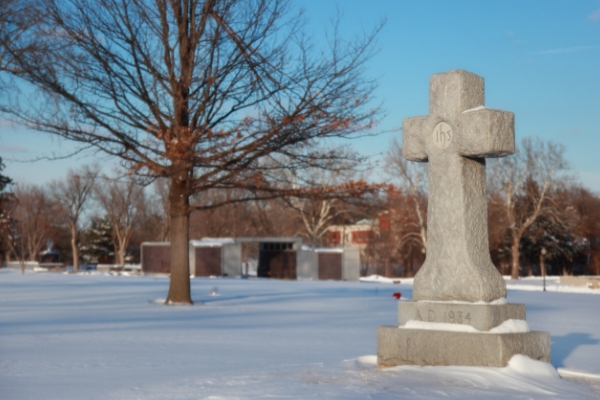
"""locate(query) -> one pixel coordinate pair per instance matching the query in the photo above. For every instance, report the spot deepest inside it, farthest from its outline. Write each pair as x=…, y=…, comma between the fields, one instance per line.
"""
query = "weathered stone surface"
x=482, y=317
x=454, y=138
x=424, y=347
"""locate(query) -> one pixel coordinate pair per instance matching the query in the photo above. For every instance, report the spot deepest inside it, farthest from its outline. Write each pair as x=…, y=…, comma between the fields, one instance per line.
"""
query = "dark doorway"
x=277, y=260
x=330, y=266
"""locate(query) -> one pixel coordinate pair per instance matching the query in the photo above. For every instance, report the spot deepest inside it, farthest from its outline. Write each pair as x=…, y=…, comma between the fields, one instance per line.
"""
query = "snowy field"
x=108, y=337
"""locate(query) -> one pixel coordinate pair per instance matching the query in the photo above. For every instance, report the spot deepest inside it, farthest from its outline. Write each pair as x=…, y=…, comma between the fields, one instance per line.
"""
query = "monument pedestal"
x=402, y=346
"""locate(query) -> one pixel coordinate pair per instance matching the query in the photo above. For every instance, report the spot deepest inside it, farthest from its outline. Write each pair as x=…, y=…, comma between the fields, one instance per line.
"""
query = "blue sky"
x=540, y=60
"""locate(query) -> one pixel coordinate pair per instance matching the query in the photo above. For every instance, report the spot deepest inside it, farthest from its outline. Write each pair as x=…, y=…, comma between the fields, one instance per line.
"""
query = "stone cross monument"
x=455, y=138
x=458, y=284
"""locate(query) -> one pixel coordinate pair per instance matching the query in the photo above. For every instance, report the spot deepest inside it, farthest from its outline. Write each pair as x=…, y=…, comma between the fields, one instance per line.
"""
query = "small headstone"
x=455, y=139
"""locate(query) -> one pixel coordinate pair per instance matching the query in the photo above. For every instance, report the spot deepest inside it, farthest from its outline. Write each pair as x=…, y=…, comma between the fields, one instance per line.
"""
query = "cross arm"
x=413, y=139
x=486, y=133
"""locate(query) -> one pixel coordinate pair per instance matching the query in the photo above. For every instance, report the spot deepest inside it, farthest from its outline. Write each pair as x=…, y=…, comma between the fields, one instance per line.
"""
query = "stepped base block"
x=397, y=346
x=482, y=317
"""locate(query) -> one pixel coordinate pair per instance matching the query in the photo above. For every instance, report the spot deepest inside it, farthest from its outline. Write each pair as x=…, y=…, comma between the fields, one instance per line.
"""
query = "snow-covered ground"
x=108, y=337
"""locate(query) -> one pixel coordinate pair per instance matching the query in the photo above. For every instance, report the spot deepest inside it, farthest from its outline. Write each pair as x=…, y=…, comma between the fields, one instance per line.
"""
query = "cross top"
x=455, y=138
x=456, y=103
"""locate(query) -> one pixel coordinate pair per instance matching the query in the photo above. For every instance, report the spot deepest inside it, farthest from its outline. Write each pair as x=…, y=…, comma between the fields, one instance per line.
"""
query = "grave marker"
x=458, y=284
x=455, y=138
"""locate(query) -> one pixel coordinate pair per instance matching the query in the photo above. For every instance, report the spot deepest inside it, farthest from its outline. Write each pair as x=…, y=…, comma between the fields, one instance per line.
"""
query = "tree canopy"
x=201, y=92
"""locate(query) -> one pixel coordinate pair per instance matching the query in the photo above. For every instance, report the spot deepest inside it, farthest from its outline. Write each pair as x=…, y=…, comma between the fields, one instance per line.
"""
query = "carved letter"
x=418, y=317
x=431, y=316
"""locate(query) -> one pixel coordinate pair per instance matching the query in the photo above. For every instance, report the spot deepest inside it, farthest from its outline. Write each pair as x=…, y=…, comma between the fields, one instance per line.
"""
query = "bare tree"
x=5, y=199
x=26, y=225
x=587, y=205
x=396, y=239
x=230, y=220
x=317, y=214
x=122, y=202
x=499, y=238
x=412, y=178
x=18, y=19
x=71, y=197
x=12, y=235
x=253, y=218
x=522, y=184
x=196, y=91
x=555, y=232
x=272, y=218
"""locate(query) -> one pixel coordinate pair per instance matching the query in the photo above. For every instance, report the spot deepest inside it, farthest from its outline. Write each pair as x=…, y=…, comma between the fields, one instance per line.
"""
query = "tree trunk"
x=388, y=268
x=75, y=250
x=408, y=270
x=542, y=265
x=120, y=255
x=515, y=258
x=179, y=287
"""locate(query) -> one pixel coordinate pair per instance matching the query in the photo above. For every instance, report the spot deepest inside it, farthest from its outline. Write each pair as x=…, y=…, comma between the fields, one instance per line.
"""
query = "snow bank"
x=578, y=375
x=511, y=326
x=518, y=364
x=522, y=378
x=557, y=287
x=508, y=326
x=367, y=360
x=533, y=283
x=211, y=242
x=536, y=283
x=322, y=249
x=383, y=279
x=328, y=250
x=438, y=326
x=500, y=301
x=526, y=366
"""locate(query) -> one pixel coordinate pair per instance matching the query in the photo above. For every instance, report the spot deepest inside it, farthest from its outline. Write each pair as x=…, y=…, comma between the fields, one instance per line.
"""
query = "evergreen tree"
x=97, y=242
x=5, y=181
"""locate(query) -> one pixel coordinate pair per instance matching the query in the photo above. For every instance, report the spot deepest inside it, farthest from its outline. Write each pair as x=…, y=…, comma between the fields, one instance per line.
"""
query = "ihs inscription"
x=442, y=135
